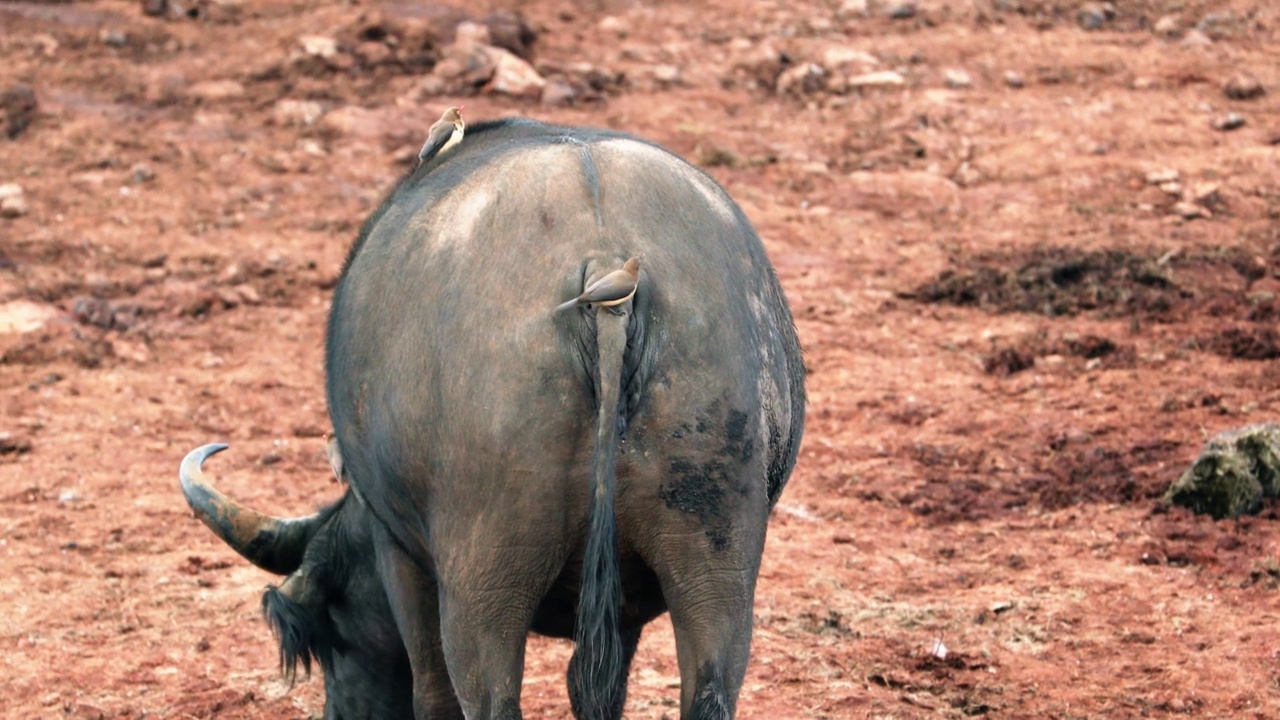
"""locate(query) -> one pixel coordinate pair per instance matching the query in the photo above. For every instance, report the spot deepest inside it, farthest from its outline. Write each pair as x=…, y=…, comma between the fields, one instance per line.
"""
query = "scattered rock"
x=270, y=458
x=1190, y=211
x=513, y=75
x=470, y=34
x=1159, y=177
x=18, y=104
x=901, y=9
x=883, y=78
x=1173, y=187
x=1220, y=24
x=1272, y=138
x=13, y=202
x=308, y=431
x=464, y=69
x=216, y=90
x=318, y=46
x=1228, y=122
x=614, y=25
x=113, y=37
x=11, y=444
x=841, y=58
x=1204, y=192
x=1196, y=38
x=1092, y=16
x=558, y=92
x=154, y=8
x=141, y=173
x=1168, y=26
x=297, y=112
x=510, y=31
x=850, y=8
x=666, y=75
x=1014, y=79
x=1236, y=471
x=802, y=79
x=1243, y=86
x=21, y=316
x=957, y=78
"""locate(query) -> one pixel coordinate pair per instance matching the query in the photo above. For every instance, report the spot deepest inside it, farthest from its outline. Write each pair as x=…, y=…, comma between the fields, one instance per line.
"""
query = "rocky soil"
x=1032, y=247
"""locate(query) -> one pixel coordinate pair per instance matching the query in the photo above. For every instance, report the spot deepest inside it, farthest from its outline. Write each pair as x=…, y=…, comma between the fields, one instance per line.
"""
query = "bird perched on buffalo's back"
x=444, y=134
x=611, y=290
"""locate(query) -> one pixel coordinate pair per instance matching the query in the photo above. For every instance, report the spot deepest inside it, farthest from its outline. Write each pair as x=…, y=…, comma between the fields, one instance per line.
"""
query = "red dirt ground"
x=1016, y=343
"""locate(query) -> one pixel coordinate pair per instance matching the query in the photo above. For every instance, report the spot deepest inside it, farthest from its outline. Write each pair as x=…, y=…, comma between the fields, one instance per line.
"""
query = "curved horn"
x=273, y=544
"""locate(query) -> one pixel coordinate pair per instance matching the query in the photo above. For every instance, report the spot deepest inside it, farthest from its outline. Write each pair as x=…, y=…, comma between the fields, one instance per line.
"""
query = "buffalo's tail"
x=596, y=684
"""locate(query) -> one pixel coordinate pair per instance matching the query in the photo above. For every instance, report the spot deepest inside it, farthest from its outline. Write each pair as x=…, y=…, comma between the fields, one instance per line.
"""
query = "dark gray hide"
x=477, y=428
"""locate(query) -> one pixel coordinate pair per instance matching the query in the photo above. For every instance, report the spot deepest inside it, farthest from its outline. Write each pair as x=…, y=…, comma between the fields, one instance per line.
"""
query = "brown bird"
x=444, y=134
x=613, y=289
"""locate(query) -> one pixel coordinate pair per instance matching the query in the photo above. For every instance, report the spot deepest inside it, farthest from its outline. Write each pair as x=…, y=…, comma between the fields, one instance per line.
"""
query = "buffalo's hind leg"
x=414, y=599
x=709, y=586
x=630, y=637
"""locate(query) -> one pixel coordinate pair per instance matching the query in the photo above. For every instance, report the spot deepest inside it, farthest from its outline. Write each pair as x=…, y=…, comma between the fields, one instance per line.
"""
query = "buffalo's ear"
x=296, y=614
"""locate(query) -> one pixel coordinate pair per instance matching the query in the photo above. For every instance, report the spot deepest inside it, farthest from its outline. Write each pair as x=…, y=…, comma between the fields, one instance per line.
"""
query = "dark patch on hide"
x=703, y=487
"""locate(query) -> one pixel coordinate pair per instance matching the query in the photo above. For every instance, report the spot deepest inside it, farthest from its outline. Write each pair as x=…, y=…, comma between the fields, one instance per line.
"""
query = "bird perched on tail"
x=444, y=134
x=611, y=290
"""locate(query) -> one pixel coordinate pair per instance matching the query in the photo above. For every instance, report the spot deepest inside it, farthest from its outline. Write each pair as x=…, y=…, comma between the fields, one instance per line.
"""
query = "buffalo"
x=510, y=469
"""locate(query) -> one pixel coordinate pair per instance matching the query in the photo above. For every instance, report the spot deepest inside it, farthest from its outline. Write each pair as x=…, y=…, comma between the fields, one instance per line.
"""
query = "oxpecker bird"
x=444, y=134
x=613, y=289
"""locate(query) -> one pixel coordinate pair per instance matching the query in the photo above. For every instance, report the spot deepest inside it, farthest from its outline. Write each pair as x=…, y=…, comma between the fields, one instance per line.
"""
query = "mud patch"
x=1245, y=343
x=1090, y=351
x=1060, y=281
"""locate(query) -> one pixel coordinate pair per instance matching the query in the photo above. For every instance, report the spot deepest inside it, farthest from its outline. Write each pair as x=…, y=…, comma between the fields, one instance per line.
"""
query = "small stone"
x=666, y=74
x=1196, y=38
x=510, y=31
x=1228, y=122
x=113, y=37
x=1014, y=79
x=216, y=90
x=957, y=78
x=1092, y=16
x=11, y=444
x=1204, y=192
x=841, y=57
x=883, y=78
x=318, y=46
x=270, y=458
x=1168, y=26
x=901, y=9
x=142, y=173
x=248, y=295
x=1173, y=187
x=18, y=106
x=513, y=76
x=471, y=34
x=558, y=93
x=801, y=79
x=13, y=203
x=297, y=112
x=614, y=25
x=1190, y=211
x=1243, y=86
x=1159, y=177
x=850, y=8
x=22, y=316
x=154, y=8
